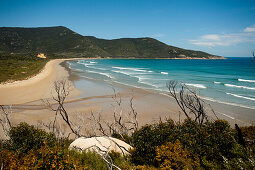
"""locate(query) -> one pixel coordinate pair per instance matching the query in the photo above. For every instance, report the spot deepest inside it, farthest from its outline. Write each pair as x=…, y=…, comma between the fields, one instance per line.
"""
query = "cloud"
x=158, y=35
x=211, y=37
x=249, y=29
x=211, y=40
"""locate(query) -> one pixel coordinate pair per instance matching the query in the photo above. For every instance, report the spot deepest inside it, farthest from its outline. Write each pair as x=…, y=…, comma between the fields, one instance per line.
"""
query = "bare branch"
x=189, y=102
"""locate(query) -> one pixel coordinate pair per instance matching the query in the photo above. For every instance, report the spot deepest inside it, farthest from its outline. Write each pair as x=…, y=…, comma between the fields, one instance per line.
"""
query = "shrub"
x=147, y=139
x=249, y=135
x=46, y=157
x=25, y=137
x=172, y=156
x=211, y=142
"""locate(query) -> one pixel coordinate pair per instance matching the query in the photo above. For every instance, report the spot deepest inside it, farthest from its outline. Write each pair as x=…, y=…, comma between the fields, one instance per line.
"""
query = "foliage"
x=46, y=157
x=19, y=68
x=212, y=142
x=172, y=156
x=29, y=147
x=147, y=139
x=248, y=133
x=243, y=158
x=25, y=137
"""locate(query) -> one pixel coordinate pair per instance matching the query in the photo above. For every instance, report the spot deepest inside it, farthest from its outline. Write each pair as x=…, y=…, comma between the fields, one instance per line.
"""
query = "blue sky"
x=220, y=27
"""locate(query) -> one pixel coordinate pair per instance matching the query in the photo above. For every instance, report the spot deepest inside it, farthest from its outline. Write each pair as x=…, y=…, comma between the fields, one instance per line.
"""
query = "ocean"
x=230, y=81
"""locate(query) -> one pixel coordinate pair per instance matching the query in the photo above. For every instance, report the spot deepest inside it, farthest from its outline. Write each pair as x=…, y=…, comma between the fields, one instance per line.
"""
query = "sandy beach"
x=97, y=96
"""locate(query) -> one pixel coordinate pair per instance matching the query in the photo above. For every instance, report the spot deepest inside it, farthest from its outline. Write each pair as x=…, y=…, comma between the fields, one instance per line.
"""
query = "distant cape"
x=61, y=42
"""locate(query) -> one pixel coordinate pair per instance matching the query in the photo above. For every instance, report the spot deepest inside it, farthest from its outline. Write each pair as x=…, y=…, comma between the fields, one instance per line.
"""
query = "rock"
x=101, y=144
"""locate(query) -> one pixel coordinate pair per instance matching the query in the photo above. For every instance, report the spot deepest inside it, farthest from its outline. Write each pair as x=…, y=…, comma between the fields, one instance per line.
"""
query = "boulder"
x=101, y=144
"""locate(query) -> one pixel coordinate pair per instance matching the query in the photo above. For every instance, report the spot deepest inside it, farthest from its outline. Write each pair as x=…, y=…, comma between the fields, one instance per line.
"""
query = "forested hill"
x=62, y=42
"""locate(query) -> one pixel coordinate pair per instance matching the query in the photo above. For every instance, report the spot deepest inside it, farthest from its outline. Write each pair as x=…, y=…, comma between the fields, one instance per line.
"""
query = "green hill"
x=62, y=42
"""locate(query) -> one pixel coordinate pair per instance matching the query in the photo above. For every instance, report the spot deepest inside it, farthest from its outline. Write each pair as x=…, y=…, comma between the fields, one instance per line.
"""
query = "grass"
x=19, y=68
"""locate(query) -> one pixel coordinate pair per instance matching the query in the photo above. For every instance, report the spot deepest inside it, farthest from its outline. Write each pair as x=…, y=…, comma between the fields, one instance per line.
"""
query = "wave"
x=250, y=81
x=163, y=72
x=92, y=62
x=141, y=80
x=197, y=85
x=122, y=72
x=216, y=82
x=134, y=69
x=227, y=103
x=104, y=74
x=248, y=98
x=244, y=87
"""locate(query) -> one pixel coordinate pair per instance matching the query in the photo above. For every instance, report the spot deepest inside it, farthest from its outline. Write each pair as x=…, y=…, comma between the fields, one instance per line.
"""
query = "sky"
x=219, y=27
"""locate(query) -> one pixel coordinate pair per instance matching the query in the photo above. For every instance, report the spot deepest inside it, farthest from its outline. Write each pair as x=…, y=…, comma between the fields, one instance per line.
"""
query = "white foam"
x=197, y=85
x=92, y=62
x=232, y=104
x=141, y=80
x=104, y=74
x=248, y=98
x=133, y=69
x=216, y=82
x=122, y=72
x=250, y=81
x=244, y=87
x=163, y=72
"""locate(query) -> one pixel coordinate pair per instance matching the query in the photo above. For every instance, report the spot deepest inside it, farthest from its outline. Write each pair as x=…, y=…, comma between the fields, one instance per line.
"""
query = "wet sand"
x=92, y=96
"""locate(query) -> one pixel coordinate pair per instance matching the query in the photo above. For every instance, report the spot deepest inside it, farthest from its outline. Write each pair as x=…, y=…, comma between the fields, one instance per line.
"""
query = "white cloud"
x=249, y=29
x=211, y=40
x=211, y=37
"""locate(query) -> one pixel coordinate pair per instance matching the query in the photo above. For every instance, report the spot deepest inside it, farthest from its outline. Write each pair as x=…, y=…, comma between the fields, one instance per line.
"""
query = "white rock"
x=101, y=144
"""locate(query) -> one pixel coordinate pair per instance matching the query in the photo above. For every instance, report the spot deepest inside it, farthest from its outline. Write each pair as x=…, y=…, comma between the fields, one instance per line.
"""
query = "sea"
x=230, y=81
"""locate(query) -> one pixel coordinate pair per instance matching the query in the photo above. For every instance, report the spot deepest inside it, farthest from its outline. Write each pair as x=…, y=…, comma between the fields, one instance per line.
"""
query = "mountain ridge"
x=61, y=42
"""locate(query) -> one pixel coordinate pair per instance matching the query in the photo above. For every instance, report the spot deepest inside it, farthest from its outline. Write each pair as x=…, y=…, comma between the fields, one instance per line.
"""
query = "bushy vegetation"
x=211, y=145
x=19, y=67
x=33, y=148
x=166, y=145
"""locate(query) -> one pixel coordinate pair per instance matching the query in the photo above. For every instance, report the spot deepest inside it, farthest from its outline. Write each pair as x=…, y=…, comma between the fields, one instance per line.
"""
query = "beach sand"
x=37, y=87
x=91, y=96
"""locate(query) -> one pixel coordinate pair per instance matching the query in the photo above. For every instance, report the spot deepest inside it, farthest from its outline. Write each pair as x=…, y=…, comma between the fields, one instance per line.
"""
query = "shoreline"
x=93, y=96
x=36, y=87
x=232, y=113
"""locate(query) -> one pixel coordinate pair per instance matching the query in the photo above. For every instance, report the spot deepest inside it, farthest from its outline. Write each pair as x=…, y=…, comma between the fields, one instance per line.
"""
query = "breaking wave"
x=248, y=98
x=197, y=85
x=244, y=87
x=250, y=81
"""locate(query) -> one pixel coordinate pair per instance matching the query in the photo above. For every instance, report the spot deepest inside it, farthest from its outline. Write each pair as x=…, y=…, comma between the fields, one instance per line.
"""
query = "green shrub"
x=25, y=137
x=147, y=139
x=210, y=142
x=248, y=133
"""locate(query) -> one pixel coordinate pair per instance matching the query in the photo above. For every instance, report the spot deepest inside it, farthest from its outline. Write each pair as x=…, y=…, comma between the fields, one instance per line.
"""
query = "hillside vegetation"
x=62, y=42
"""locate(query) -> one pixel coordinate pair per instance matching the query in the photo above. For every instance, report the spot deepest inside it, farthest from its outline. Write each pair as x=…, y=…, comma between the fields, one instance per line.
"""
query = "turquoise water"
x=230, y=81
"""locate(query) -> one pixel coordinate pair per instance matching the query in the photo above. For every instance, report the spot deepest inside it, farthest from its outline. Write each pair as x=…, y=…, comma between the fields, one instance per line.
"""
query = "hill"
x=62, y=42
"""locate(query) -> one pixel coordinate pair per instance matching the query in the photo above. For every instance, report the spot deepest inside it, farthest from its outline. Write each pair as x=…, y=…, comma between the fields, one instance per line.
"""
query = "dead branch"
x=189, y=102
x=62, y=89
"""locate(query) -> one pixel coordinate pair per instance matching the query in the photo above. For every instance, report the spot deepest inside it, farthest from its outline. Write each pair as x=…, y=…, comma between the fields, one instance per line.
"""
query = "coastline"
x=94, y=96
x=36, y=87
x=155, y=105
